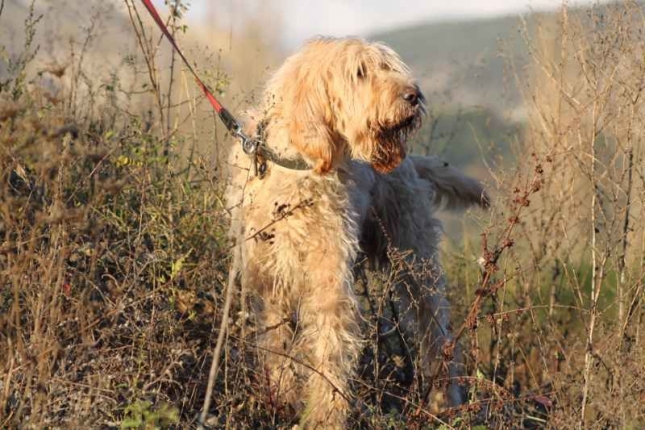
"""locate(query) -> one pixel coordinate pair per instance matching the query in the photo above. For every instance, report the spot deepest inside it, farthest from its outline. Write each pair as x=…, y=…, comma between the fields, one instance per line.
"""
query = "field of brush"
x=114, y=257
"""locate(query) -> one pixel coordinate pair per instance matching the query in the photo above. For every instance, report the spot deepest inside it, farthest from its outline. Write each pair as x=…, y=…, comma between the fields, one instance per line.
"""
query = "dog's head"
x=346, y=97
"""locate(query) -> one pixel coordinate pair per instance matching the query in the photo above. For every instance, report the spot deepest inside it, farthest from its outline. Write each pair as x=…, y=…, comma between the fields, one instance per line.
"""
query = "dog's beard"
x=391, y=147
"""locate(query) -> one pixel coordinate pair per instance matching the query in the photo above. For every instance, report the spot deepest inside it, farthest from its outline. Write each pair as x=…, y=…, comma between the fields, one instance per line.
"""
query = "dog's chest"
x=287, y=219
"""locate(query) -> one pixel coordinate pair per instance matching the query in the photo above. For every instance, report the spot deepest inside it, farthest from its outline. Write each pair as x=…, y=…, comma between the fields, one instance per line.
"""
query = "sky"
x=302, y=19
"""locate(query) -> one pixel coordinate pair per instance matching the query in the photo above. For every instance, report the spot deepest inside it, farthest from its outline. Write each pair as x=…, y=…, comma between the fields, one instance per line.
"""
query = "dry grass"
x=113, y=255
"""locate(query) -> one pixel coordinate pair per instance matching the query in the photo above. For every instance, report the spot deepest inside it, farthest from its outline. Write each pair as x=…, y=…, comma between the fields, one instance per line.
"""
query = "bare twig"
x=148, y=55
x=212, y=376
x=622, y=266
x=279, y=216
x=597, y=266
x=171, y=79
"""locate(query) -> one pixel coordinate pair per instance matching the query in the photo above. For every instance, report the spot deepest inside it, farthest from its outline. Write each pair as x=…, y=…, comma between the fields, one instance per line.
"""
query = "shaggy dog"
x=344, y=109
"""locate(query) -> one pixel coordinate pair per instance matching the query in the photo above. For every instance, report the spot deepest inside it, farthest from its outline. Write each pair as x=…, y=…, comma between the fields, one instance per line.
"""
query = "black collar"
x=288, y=163
x=263, y=154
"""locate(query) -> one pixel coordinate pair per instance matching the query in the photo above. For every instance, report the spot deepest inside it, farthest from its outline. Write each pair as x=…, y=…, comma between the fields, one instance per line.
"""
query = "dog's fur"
x=345, y=106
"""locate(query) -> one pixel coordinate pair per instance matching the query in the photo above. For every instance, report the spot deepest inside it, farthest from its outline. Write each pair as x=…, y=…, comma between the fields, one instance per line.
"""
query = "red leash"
x=229, y=120
x=252, y=146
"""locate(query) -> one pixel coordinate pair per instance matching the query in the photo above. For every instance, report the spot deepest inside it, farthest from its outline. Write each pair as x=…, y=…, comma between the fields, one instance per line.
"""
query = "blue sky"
x=302, y=19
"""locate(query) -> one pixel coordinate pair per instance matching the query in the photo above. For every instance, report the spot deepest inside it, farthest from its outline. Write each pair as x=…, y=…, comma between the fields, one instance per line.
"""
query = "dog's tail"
x=454, y=190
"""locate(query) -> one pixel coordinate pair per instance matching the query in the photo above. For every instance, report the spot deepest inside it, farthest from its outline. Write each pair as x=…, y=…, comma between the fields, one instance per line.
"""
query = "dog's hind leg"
x=424, y=318
x=403, y=224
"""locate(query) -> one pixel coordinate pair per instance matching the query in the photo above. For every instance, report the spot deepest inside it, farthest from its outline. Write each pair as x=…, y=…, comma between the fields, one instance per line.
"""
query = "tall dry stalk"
x=588, y=118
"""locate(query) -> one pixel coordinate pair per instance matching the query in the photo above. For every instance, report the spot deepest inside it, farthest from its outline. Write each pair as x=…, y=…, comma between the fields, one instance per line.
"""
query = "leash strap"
x=227, y=118
x=251, y=146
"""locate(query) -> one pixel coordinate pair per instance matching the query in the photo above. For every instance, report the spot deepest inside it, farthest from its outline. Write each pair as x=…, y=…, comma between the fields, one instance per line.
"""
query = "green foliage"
x=141, y=415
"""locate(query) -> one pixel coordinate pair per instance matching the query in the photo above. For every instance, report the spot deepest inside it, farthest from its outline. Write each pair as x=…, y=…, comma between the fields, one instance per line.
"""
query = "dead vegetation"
x=114, y=260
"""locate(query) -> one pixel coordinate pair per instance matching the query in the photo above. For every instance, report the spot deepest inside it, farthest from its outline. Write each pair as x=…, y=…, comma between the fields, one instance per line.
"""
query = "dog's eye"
x=360, y=73
x=385, y=67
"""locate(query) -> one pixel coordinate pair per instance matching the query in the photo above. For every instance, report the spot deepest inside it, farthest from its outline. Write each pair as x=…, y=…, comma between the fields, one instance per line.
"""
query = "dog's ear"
x=453, y=189
x=310, y=124
x=298, y=105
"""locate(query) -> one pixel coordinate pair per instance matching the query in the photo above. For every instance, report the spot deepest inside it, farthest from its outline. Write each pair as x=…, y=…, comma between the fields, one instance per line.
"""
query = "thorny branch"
x=491, y=257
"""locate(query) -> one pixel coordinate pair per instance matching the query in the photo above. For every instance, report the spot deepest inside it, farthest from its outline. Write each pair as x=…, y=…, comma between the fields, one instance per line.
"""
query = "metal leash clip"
x=251, y=146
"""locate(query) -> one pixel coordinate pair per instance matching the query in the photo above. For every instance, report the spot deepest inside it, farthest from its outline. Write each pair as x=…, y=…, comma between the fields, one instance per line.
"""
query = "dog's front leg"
x=328, y=316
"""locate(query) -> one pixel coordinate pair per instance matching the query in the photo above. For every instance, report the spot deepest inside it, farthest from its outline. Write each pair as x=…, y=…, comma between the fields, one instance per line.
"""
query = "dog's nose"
x=411, y=96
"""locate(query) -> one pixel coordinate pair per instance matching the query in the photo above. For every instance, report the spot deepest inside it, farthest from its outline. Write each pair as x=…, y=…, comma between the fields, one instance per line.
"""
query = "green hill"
x=475, y=110
x=463, y=62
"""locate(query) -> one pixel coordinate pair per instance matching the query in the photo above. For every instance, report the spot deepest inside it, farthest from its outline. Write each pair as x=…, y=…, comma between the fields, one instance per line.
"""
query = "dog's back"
x=403, y=204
